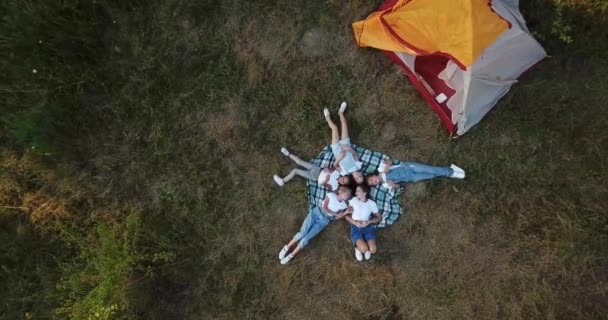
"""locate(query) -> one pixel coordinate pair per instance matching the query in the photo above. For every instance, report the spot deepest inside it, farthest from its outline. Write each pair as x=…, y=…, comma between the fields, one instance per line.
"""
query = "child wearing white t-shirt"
x=364, y=213
x=347, y=159
x=333, y=207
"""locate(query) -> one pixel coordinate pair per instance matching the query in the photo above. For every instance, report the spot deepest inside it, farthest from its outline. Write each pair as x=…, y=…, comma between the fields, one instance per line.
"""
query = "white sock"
x=285, y=151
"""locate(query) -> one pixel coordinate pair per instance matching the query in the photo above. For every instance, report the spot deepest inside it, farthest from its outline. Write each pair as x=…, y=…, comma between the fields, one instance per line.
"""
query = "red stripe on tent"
x=445, y=118
x=387, y=4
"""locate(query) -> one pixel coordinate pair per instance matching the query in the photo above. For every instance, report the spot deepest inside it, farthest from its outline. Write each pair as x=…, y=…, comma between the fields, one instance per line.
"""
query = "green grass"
x=174, y=112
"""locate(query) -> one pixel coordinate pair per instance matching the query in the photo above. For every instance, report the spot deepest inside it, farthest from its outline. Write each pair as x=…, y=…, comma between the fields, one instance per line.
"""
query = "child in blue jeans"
x=390, y=176
x=333, y=207
x=364, y=213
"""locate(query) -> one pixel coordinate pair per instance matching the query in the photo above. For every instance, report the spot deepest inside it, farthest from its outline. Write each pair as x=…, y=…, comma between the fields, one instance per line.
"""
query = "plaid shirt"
x=387, y=201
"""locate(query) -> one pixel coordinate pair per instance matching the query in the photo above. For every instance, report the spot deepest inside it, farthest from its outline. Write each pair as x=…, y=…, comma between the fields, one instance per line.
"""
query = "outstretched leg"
x=420, y=171
x=299, y=172
x=372, y=246
x=343, y=122
x=335, y=136
x=361, y=245
x=300, y=162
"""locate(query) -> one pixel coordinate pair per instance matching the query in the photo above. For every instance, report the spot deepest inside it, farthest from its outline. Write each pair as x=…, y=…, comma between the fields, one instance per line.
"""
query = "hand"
x=342, y=215
x=392, y=184
x=388, y=162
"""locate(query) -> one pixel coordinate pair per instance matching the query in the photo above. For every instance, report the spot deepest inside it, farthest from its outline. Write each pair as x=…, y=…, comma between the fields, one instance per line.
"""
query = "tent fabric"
x=470, y=90
x=419, y=27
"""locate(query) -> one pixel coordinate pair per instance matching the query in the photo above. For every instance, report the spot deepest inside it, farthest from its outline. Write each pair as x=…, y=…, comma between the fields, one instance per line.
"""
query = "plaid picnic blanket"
x=387, y=202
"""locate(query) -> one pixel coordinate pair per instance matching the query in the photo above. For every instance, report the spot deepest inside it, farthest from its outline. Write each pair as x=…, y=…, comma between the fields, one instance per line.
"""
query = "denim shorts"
x=336, y=148
x=366, y=233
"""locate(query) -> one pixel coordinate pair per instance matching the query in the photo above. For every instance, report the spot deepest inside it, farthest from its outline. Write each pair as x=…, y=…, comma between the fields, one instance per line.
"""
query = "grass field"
x=138, y=142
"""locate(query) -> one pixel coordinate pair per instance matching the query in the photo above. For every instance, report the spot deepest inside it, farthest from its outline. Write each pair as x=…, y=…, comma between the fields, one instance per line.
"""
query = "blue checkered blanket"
x=388, y=202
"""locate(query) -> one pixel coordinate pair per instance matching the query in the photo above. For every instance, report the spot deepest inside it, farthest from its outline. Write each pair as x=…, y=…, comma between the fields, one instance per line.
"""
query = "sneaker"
x=283, y=252
x=368, y=255
x=285, y=151
x=358, y=255
x=278, y=180
x=342, y=107
x=286, y=259
x=326, y=114
x=458, y=173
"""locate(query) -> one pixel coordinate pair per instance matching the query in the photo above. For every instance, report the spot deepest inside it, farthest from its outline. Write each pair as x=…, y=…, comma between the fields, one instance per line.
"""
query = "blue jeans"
x=414, y=172
x=315, y=221
x=366, y=233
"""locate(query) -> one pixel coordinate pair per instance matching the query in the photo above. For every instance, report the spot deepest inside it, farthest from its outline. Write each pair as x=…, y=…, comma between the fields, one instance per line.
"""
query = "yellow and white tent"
x=462, y=55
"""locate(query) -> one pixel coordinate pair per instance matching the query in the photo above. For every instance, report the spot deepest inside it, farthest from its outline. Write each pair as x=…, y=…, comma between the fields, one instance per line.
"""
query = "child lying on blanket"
x=347, y=160
x=326, y=177
x=390, y=176
x=361, y=230
x=333, y=207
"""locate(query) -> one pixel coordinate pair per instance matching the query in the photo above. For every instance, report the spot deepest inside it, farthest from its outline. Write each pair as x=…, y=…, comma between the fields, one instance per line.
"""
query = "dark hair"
x=349, y=183
x=365, y=188
x=366, y=178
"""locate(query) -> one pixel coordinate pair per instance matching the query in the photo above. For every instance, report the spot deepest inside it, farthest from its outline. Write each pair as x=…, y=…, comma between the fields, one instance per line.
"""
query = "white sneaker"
x=326, y=114
x=286, y=259
x=368, y=255
x=285, y=151
x=283, y=252
x=458, y=172
x=342, y=107
x=358, y=255
x=278, y=180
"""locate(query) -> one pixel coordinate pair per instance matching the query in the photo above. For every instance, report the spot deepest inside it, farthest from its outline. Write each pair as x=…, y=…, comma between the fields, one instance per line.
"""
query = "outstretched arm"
x=387, y=165
x=377, y=218
x=340, y=157
x=351, y=150
x=325, y=183
x=342, y=214
x=392, y=184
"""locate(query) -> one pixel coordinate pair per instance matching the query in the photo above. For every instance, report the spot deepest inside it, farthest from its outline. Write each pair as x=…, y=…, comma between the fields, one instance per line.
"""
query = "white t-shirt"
x=382, y=170
x=333, y=178
x=348, y=164
x=362, y=211
x=334, y=204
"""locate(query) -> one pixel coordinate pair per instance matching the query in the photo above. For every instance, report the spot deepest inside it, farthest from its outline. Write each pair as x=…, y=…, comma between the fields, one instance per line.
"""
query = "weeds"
x=136, y=165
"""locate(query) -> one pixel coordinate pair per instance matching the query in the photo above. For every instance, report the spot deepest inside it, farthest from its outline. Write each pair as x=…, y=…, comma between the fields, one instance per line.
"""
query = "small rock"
x=269, y=50
x=416, y=190
x=314, y=43
x=388, y=131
